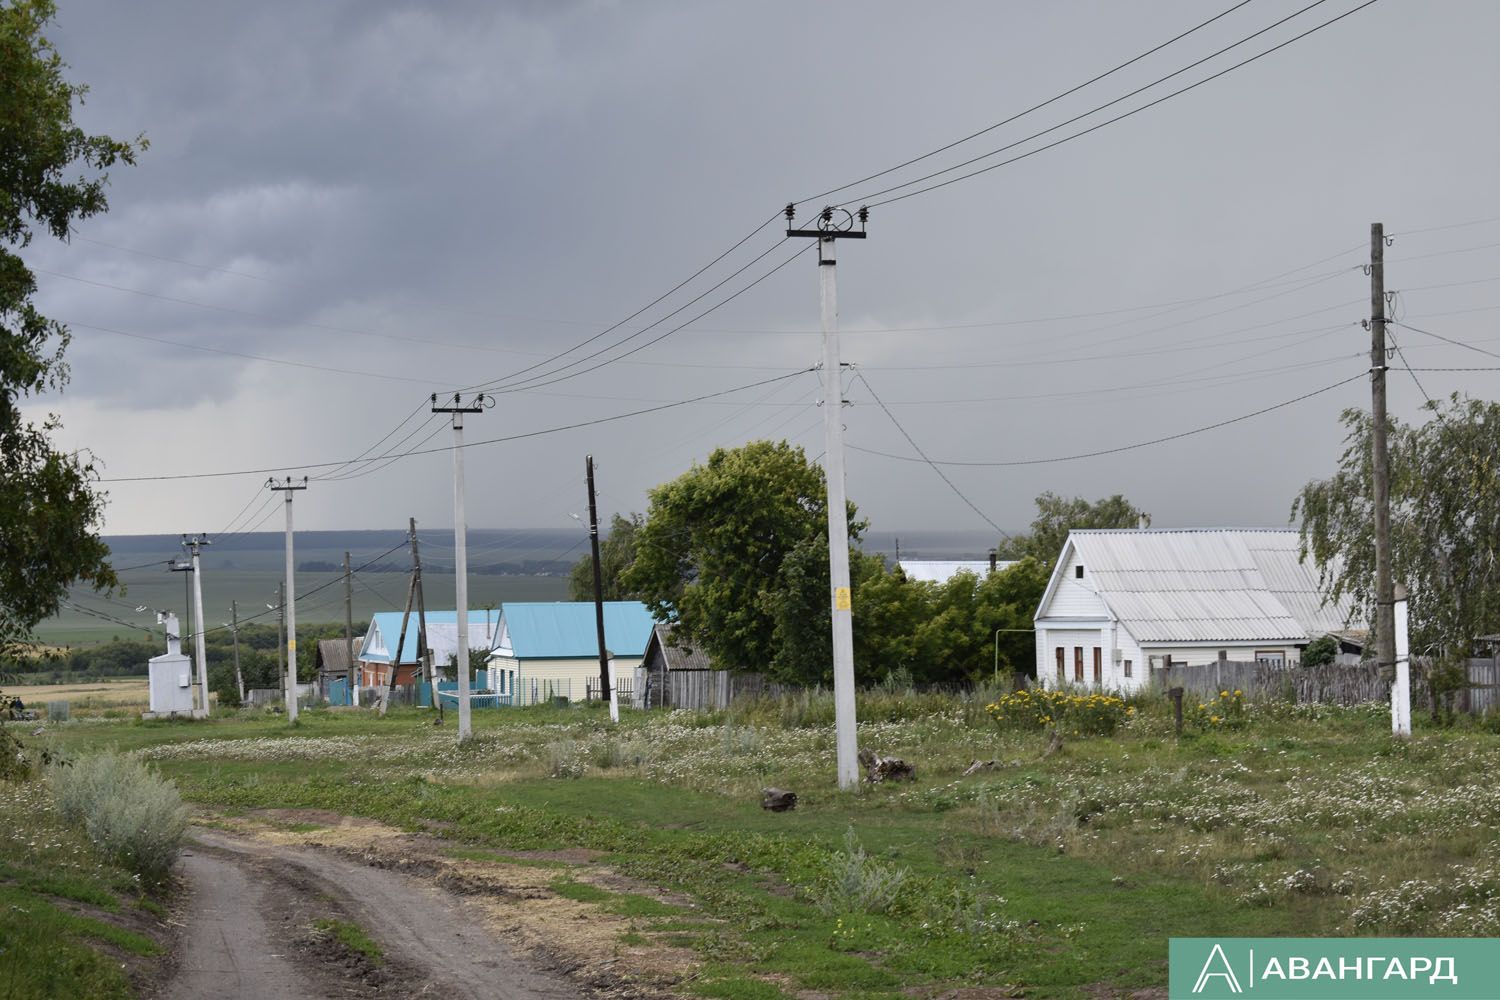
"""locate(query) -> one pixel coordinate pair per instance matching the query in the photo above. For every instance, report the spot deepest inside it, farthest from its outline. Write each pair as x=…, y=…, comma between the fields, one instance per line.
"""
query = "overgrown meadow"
x=1061, y=864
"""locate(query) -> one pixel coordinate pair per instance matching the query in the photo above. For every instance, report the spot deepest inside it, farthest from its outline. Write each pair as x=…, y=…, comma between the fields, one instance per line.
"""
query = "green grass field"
x=1062, y=873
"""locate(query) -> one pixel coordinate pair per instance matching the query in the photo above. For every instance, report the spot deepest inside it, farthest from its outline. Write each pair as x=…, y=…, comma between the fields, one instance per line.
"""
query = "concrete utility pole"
x=458, y=408
x=290, y=604
x=188, y=566
x=194, y=545
x=1401, y=689
x=1385, y=632
x=606, y=682
x=349, y=628
x=833, y=225
x=234, y=629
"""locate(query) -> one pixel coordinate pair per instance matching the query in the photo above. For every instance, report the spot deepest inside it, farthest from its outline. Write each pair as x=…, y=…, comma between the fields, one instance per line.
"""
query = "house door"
x=1098, y=667
x=1078, y=664
x=1062, y=666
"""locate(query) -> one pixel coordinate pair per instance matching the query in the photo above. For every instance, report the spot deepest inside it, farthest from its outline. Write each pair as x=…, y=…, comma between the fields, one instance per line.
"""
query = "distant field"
x=89, y=697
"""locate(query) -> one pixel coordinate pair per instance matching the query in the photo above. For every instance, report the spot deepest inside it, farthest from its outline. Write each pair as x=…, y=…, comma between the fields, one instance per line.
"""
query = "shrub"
x=131, y=813
x=857, y=884
x=1077, y=713
x=1320, y=651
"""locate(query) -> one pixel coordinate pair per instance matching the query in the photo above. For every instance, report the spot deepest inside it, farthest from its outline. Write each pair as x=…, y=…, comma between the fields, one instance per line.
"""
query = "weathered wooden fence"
x=710, y=690
x=1329, y=683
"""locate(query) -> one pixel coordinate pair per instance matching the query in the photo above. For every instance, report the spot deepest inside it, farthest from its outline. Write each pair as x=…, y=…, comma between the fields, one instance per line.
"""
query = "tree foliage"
x=51, y=173
x=1057, y=515
x=1445, y=522
x=715, y=549
x=616, y=553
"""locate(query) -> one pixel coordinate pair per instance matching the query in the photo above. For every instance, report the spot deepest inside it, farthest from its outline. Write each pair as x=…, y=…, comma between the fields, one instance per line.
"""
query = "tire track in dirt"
x=249, y=932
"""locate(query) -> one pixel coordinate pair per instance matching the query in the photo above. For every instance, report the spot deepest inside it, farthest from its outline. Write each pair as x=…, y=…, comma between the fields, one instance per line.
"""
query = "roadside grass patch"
x=352, y=937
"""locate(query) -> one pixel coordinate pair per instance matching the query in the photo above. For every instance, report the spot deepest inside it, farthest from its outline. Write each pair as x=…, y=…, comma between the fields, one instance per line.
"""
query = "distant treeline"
x=526, y=567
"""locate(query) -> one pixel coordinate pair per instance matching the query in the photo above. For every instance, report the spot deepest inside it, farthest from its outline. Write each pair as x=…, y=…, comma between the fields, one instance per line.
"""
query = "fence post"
x=1176, y=695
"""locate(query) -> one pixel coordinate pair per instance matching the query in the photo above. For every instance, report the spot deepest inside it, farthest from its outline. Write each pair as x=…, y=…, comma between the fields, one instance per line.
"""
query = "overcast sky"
x=430, y=196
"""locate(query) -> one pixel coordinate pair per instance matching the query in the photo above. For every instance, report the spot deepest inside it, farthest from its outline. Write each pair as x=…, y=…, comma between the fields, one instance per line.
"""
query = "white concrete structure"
x=171, y=677
x=1123, y=602
x=943, y=570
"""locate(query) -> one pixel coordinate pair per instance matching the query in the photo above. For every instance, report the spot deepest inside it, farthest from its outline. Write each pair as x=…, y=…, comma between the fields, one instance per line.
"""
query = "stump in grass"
x=878, y=768
x=778, y=799
x=1054, y=744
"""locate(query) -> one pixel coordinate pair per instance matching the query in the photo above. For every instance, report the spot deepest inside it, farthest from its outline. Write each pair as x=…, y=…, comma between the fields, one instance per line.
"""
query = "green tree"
x=1056, y=516
x=1445, y=523
x=715, y=543
x=51, y=173
x=616, y=553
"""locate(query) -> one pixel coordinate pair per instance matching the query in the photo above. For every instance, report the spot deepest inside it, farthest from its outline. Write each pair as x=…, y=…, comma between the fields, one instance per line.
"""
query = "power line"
x=467, y=444
x=650, y=305
x=1022, y=114
x=537, y=381
x=1446, y=340
x=923, y=455
x=1118, y=118
x=1122, y=448
x=242, y=354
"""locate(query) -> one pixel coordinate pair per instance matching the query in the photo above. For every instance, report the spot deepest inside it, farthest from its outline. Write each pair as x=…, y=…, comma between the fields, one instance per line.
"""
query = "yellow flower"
x=1238, y=693
x=1223, y=694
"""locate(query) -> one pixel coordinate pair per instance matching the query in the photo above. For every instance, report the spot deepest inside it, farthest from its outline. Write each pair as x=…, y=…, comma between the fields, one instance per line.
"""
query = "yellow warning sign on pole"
x=841, y=599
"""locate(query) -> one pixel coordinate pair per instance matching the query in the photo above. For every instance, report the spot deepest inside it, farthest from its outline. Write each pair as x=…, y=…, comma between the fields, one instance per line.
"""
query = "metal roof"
x=943, y=570
x=1206, y=585
x=675, y=656
x=566, y=629
x=442, y=635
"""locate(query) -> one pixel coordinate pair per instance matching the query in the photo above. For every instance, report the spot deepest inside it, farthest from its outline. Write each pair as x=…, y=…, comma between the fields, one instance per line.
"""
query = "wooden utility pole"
x=281, y=635
x=234, y=628
x=604, y=679
x=411, y=592
x=349, y=630
x=424, y=651
x=1385, y=632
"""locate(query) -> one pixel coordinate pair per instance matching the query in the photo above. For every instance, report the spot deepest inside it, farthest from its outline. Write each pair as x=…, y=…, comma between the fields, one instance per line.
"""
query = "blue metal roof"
x=385, y=627
x=566, y=630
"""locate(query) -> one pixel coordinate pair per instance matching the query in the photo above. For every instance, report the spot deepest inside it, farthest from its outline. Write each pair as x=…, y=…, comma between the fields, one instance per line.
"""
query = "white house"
x=550, y=649
x=1124, y=602
x=943, y=570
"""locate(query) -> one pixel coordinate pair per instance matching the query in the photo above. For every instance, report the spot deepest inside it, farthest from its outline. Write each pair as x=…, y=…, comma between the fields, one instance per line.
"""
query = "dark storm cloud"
x=513, y=177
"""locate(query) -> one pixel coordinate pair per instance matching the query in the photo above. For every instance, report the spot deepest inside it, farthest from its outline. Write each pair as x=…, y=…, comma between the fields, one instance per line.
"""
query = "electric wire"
x=467, y=444
x=1119, y=118
x=554, y=376
x=923, y=455
x=1035, y=107
x=1121, y=448
x=650, y=305
x=1446, y=340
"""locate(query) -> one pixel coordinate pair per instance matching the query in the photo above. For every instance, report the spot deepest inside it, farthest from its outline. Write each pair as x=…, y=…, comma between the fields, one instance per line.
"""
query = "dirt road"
x=261, y=921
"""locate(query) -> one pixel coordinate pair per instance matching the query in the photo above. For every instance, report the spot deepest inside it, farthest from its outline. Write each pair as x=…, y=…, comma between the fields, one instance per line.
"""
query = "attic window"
x=1078, y=572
